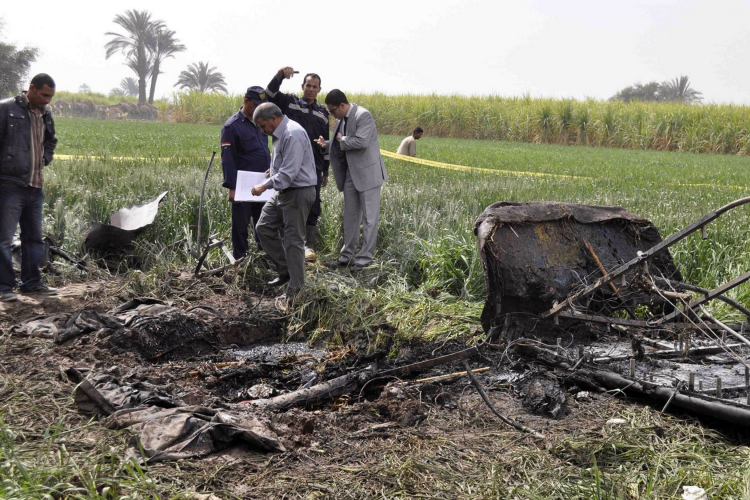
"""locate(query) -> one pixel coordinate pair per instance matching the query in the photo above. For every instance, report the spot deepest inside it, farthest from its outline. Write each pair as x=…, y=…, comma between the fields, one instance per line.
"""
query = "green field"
x=709, y=128
x=428, y=284
x=426, y=233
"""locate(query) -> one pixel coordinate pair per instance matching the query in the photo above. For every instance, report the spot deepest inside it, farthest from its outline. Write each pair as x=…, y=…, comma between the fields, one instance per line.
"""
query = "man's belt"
x=284, y=191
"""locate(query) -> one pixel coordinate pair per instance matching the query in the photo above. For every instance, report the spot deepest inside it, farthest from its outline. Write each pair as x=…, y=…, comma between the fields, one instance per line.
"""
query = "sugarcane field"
x=235, y=289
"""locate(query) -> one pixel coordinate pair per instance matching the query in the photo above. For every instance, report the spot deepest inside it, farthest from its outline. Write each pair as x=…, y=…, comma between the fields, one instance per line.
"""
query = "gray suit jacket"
x=362, y=151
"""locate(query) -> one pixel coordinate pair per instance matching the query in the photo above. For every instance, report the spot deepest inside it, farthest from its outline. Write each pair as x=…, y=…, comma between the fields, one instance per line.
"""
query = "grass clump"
x=381, y=309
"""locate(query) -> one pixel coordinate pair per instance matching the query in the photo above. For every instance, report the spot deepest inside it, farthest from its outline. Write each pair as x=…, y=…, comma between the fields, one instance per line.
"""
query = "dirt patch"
x=424, y=431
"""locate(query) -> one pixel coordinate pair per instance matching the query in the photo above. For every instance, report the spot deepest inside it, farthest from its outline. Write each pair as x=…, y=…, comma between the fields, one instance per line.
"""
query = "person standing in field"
x=314, y=119
x=282, y=222
x=244, y=147
x=27, y=145
x=408, y=146
x=360, y=172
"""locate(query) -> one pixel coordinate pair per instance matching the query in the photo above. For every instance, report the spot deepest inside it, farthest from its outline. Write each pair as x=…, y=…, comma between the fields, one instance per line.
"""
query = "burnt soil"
x=228, y=352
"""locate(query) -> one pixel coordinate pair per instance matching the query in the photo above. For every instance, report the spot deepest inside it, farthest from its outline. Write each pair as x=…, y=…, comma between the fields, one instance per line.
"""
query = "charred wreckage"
x=582, y=297
x=593, y=292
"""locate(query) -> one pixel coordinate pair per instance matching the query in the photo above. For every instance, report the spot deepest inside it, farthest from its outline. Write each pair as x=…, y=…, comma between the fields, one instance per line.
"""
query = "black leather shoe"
x=41, y=288
x=360, y=266
x=281, y=280
x=335, y=264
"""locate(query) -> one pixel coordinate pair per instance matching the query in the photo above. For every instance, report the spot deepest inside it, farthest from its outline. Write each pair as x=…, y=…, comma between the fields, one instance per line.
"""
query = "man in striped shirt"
x=27, y=145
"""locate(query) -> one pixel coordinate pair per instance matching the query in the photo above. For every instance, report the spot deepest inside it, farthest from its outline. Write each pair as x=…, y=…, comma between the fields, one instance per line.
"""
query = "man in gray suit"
x=292, y=175
x=359, y=171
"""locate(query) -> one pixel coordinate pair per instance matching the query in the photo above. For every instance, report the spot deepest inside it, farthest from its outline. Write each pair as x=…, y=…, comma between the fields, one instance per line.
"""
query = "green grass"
x=426, y=231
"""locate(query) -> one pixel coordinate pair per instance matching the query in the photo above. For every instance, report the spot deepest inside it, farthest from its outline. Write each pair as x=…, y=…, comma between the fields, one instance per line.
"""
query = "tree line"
x=146, y=44
x=677, y=90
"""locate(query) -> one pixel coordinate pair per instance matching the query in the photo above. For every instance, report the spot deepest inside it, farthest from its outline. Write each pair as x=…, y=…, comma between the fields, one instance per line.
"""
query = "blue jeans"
x=21, y=205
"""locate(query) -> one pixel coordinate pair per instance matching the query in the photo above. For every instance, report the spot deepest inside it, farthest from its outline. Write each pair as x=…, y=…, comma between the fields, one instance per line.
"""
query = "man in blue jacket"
x=27, y=145
x=244, y=147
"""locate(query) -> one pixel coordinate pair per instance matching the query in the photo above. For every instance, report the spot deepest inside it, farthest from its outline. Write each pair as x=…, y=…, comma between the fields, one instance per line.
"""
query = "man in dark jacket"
x=27, y=145
x=244, y=147
x=313, y=117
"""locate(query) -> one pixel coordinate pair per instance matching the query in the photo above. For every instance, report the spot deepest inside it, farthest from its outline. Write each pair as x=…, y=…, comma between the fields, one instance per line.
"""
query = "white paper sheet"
x=245, y=182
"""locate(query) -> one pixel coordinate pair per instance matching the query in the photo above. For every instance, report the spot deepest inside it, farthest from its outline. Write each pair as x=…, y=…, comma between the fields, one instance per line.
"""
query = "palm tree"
x=201, y=78
x=678, y=90
x=164, y=46
x=129, y=86
x=140, y=33
x=84, y=89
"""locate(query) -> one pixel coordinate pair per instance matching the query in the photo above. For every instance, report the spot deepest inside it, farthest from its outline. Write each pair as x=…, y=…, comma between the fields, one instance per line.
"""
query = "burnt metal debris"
x=124, y=226
x=213, y=241
x=580, y=273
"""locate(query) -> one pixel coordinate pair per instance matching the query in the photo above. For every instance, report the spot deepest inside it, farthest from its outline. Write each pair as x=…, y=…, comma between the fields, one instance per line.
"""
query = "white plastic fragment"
x=694, y=493
x=616, y=421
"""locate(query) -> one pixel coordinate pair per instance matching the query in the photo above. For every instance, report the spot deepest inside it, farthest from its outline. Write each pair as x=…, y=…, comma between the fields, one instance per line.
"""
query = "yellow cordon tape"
x=449, y=166
x=115, y=158
x=464, y=168
x=741, y=188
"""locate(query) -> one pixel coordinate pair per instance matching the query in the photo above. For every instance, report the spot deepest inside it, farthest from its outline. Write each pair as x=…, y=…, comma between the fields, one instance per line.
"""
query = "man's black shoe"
x=335, y=264
x=281, y=280
x=360, y=266
x=41, y=288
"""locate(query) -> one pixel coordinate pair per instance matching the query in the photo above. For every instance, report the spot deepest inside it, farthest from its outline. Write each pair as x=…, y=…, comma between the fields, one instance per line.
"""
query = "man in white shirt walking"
x=408, y=146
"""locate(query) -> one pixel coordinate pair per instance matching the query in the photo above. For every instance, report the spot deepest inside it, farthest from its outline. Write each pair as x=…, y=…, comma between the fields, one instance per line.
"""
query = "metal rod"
x=197, y=252
x=670, y=353
x=666, y=243
x=638, y=323
x=678, y=285
x=691, y=382
x=718, y=387
x=725, y=327
x=611, y=285
x=712, y=294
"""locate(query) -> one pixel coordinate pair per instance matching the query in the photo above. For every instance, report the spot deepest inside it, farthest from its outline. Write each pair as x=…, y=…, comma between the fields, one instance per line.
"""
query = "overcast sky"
x=546, y=48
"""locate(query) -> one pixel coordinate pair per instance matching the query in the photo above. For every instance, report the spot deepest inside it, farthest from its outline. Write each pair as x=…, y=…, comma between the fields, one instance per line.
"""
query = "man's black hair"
x=41, y=80
x=336, y=98
x=418, y=130
x=313, y=75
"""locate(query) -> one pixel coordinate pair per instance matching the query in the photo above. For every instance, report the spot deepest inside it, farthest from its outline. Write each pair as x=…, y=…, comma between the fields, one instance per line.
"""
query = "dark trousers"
x=21, y=205
x=316, y=209
x=282, y=232
x=242, y=213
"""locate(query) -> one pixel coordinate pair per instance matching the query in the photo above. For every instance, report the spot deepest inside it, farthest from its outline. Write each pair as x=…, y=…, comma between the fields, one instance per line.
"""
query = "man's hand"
x=268, y=173
x=287, y=71
x=258, y=189
x=231, y=196
x=338, y=136
x=324, y=182
x=320, y=141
